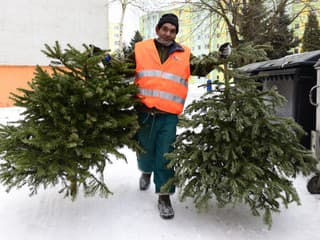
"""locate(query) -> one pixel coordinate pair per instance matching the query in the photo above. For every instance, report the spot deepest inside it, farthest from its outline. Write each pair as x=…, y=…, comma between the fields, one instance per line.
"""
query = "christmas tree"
x=235, y=149
x=76, y=117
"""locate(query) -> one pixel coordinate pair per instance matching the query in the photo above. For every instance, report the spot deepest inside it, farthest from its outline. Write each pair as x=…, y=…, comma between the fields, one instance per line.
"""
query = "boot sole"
x=167, y=217
x=145, y=187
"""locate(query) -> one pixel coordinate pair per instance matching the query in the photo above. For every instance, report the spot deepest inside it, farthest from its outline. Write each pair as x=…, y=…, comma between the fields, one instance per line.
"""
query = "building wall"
x=13, y=77
x=26, y=25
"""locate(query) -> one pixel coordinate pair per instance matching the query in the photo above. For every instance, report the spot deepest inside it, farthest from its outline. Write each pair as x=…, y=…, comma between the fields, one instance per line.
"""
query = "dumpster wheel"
x=313, y=185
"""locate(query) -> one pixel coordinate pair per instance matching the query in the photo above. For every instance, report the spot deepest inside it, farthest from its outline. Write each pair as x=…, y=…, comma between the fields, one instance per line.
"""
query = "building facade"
x=204, y=33
x=114, y=36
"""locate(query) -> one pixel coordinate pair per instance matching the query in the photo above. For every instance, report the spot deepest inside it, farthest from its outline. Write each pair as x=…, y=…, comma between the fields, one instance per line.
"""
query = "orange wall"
x=13, y=77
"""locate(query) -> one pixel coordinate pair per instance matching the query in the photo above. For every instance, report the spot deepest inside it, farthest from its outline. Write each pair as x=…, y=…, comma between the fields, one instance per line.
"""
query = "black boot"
x=144, y=181
x=165, y=208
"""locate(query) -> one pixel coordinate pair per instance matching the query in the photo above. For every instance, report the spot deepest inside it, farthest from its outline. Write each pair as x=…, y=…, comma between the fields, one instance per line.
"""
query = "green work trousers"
x=156, y=135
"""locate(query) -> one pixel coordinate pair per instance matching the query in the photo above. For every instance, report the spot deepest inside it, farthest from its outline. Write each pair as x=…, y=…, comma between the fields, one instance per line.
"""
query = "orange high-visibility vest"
x=162, y=86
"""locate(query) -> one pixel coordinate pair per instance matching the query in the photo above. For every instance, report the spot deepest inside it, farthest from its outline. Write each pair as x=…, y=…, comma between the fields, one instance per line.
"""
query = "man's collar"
x=172, y=48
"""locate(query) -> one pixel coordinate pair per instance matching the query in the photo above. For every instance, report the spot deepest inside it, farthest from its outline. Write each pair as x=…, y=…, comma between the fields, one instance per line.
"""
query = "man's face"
x=167, y=33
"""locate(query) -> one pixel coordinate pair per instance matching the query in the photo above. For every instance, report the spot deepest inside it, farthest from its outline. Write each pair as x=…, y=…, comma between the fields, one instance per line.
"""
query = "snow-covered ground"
x=131, y=214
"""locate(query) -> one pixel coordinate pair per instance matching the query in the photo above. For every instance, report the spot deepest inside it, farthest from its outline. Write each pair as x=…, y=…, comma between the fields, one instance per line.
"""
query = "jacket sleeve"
x=201, y=66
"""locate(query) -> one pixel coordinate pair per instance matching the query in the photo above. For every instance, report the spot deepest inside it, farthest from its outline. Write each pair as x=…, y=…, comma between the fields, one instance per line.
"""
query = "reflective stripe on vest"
x=161, y=94
x=166, y=75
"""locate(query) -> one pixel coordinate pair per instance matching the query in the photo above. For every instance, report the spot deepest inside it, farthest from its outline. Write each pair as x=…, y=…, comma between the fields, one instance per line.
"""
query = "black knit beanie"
x=169, y=18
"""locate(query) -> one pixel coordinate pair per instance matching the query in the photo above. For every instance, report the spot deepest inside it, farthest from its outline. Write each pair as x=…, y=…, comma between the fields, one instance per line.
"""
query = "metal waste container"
x=297, y=78
x=294, y=76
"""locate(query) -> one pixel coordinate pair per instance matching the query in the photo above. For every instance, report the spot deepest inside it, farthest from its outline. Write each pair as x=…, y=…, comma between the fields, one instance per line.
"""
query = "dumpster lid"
x=300, y=59
x=294, y=60
x=252, y=67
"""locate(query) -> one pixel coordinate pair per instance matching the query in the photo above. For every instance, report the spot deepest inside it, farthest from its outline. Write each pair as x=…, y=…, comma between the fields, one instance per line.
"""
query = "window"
x=296, y=26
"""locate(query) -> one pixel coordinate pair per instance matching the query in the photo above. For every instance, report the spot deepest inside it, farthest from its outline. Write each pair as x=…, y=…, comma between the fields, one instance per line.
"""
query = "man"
x=162, y=72
x=162, y=68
